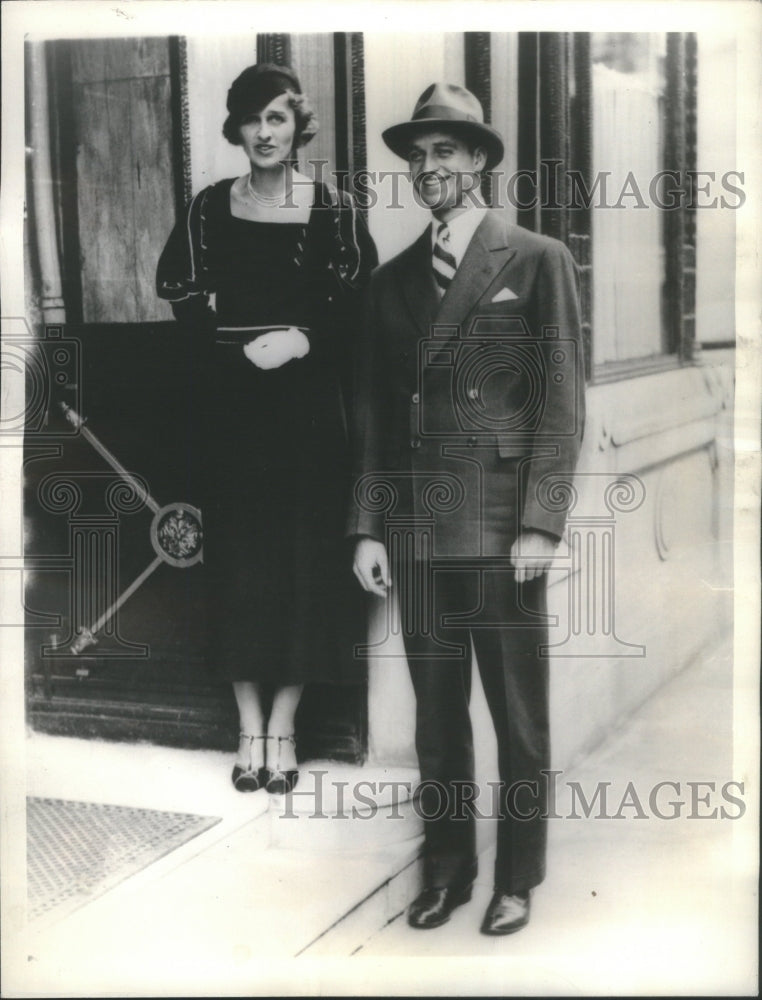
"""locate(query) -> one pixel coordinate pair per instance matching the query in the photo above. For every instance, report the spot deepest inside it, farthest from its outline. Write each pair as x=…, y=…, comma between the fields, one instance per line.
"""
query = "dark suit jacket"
x=470, y=409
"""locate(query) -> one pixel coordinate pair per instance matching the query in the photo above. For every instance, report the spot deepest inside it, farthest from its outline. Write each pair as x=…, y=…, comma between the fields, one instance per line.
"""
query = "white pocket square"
x=504, y=295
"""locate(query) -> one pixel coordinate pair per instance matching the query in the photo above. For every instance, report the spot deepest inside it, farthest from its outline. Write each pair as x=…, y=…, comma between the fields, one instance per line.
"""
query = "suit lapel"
x=486, y=256
x=417, y=279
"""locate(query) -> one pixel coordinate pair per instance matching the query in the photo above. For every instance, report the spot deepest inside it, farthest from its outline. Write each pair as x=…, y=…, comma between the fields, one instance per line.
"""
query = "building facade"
x=615, y=144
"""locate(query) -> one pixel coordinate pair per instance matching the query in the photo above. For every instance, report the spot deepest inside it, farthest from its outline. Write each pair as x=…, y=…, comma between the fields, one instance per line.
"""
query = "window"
x=602, y=117
x=628, y=131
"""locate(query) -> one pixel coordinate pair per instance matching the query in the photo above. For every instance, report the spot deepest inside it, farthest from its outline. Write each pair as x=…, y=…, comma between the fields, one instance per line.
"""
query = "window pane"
x=628, y=144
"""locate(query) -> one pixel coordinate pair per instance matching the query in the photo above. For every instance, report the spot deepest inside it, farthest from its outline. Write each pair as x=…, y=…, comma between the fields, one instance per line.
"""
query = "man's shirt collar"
x=462, y=228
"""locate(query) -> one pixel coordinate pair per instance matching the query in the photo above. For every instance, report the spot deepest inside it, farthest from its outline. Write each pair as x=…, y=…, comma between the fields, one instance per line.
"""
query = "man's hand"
x=275, y=348
x=371, y=566
x=531, y=555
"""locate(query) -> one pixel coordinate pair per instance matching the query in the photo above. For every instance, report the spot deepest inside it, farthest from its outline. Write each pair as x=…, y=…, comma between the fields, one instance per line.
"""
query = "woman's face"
x=267, y=136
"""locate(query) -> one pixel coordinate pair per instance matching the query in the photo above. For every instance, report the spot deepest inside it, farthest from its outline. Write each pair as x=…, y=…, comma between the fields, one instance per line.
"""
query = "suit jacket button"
x=415, y=398
x=415, y=443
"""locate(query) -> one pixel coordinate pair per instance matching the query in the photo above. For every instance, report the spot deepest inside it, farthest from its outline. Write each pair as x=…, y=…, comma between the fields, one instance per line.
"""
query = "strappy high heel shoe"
x=248, y=779
x=275, y=780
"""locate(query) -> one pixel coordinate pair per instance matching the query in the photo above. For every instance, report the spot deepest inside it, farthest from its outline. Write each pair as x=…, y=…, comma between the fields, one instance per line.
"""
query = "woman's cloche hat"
x=253, y=89
x=453, y=109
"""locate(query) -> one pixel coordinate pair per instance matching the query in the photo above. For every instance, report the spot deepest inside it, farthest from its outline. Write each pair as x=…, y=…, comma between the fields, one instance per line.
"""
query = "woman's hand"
x=273, y=349
x=371, y=566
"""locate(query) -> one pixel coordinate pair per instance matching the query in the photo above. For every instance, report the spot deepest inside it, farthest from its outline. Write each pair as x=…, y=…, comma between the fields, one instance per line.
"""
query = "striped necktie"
x=443, y=262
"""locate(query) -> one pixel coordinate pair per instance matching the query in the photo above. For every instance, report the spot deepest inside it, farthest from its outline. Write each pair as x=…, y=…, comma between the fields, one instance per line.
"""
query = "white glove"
x=275, y=348
x=371, y=566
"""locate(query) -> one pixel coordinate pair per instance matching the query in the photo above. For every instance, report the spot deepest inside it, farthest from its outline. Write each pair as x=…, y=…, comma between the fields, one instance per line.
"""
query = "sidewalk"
x=630, y=905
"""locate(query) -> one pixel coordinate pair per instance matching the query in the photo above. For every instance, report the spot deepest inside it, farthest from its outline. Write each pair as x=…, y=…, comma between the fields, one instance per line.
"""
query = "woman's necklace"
x=267, y=201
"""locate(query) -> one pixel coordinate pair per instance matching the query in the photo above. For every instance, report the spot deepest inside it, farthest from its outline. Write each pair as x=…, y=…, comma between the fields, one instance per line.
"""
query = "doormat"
x=76, y=851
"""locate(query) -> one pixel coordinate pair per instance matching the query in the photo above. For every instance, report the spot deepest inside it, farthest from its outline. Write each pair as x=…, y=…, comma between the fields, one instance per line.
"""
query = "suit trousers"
x=506, y=622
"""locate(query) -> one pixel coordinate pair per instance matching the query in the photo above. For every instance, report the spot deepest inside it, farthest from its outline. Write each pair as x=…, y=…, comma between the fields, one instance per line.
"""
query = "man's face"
x=443, y=168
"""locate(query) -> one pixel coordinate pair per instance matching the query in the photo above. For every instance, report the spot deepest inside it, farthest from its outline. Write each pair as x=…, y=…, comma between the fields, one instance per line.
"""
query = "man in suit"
x=468, y=425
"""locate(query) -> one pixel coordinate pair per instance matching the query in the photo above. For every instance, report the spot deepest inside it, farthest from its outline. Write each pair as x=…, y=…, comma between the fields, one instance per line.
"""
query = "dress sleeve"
x=355, y=254
x=181, y=277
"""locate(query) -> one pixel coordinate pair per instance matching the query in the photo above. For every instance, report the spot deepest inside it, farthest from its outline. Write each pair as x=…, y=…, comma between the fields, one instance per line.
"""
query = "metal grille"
x=78, y=850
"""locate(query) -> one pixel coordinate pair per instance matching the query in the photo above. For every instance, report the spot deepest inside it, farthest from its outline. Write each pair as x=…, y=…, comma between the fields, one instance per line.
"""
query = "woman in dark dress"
x=286, y=260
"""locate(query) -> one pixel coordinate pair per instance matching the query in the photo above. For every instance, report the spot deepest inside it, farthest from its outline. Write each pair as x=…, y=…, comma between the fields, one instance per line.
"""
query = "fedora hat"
x=451, y=108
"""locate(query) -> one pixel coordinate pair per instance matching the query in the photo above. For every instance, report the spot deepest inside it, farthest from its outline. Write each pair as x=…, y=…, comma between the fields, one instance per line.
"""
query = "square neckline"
x=270, y=222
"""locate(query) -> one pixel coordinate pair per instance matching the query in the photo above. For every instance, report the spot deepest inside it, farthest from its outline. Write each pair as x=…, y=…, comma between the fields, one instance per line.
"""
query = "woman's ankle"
x=281, y=751
x=251, y=751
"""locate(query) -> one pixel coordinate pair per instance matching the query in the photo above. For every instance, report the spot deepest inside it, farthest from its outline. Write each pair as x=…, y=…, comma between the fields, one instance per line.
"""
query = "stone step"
x=377, y=909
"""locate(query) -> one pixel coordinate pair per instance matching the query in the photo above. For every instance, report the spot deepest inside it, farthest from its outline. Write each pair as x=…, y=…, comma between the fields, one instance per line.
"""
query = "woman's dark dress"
x=283, y=607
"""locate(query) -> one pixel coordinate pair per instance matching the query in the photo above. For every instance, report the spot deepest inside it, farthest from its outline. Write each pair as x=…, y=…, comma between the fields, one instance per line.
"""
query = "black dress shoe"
x=245, y=780
x=434, y=906
x=507, y=913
